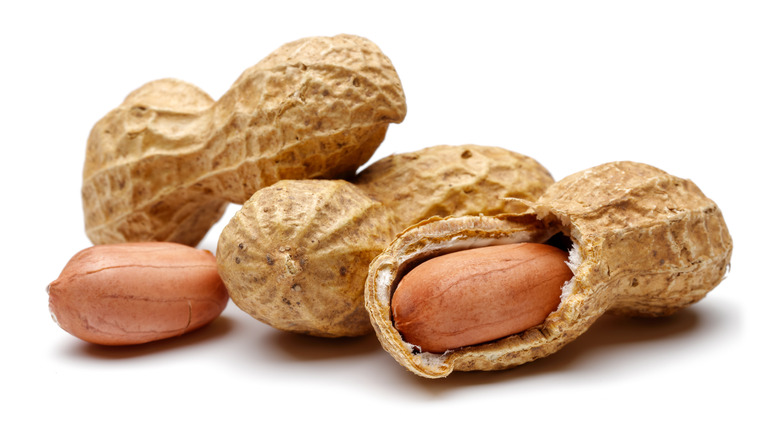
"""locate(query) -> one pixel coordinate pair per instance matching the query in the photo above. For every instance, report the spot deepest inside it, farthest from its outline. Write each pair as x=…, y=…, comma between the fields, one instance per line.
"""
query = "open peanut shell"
x=641, y=243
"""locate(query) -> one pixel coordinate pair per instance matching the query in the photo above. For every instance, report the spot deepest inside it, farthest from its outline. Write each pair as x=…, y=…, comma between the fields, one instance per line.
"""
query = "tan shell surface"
x=644, y=243
x=297, y=253
x=449, y=180
x=164, y=163
x=653, y=237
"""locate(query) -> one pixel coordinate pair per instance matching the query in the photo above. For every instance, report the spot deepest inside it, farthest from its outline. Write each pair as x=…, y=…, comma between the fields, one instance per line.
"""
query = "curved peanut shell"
x=643, y=243
x=453, y=181
x=164, y=164
x=296, y=256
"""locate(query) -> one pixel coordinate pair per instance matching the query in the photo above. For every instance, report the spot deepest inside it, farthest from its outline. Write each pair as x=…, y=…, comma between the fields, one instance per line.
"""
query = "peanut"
x=165, y=163
x=133, y=293
x=479, y=295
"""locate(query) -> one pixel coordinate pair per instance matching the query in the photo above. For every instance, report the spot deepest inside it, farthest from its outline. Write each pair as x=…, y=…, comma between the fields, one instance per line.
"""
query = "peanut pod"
x=295, y=256
x=165, y=163
x=641, y=243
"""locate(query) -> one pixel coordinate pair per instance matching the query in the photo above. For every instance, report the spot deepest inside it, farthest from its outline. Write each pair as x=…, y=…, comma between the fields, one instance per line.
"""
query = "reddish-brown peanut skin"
x=478, y=295
x=133, y=293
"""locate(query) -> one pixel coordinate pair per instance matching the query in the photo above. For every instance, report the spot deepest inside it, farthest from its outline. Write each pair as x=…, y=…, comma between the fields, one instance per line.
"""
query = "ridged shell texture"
x=296, y=256
x=644, y=243
x=163, y=165
x=453, y=181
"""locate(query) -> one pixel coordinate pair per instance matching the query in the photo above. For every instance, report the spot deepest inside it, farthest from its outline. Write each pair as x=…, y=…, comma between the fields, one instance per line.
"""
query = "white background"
x=690, y=87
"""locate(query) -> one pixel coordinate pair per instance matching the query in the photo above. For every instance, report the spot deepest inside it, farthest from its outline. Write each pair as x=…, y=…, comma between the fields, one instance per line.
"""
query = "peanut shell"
x=164, y=164
x=453, y=181
x=643, y=243
x=296, y=255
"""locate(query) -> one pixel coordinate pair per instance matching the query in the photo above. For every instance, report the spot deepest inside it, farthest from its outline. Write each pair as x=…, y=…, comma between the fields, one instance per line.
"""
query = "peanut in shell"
x=643, y=243
x=296, y=255
x=164, y=164
x=449, y=180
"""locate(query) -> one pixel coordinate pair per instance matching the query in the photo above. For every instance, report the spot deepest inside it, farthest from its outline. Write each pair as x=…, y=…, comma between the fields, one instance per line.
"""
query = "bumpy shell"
x=297, y=253
x=454, y=181
x=163, y=165
x=643, y=242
